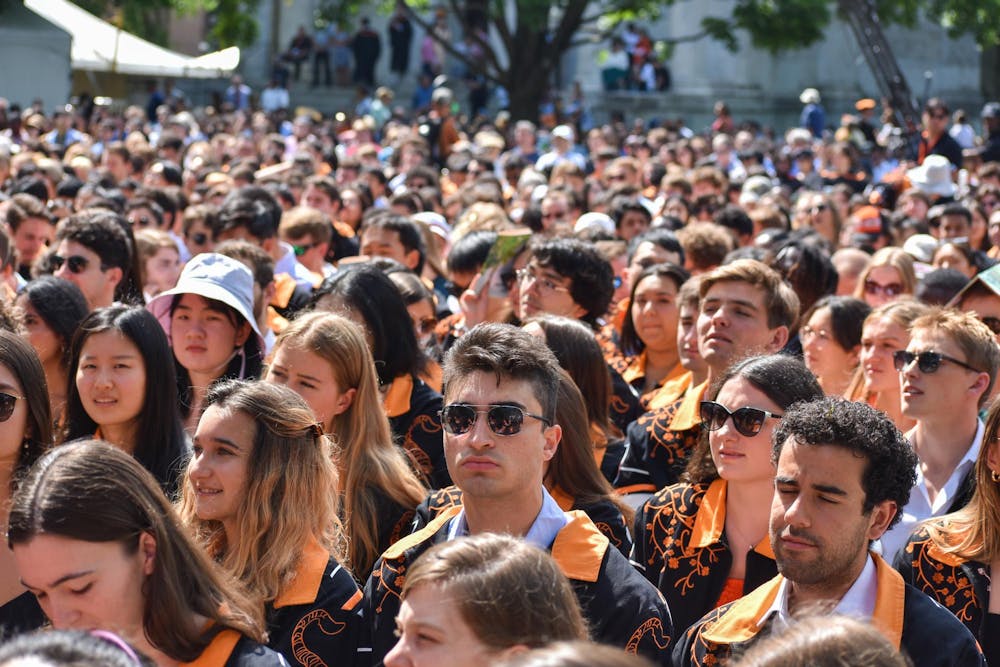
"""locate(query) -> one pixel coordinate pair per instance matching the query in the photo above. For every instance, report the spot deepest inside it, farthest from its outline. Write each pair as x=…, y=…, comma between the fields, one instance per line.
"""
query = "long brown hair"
x=290, y=490
x=93, y=492
x=368, y=460
x=901, y=312
x=574, y=468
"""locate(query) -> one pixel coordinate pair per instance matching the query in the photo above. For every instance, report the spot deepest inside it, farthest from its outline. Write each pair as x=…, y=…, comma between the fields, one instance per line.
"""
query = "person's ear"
x=115, y=275
x=779, y=337
x=880, y=518
x=344, y=401
x=412, y=259
x=980, y=385
x=854, y=356
x=553, y=434
x=147, y=552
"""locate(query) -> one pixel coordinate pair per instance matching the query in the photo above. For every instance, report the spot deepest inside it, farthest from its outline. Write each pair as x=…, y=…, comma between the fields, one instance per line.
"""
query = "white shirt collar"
x=858, y=601
x=546, y=526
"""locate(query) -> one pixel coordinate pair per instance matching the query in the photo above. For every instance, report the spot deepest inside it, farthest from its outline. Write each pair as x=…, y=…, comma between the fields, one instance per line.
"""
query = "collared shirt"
x=919, y=507
x=858, y=601
x=288, y=264
x=550, y=520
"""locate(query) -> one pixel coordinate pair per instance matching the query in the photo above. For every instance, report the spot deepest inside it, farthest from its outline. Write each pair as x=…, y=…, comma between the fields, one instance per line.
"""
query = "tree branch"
x=469, y=31
x=450, y=48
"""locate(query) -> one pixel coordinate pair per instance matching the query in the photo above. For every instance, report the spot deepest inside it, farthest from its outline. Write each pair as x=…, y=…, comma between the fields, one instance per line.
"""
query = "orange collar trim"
x=580, y=547
x=413, y=539
x=275, y=322
x=218, y=651
x=636, y=368
x=672, y=389
x=711, y=518
x=284, y=287
x=397, y=398
x=741, y=622
x=935, y=551
x=688, y=415
x=304, y=586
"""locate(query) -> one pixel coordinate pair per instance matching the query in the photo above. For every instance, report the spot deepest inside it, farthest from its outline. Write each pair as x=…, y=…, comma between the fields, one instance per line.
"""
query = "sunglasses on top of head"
x=459, y=418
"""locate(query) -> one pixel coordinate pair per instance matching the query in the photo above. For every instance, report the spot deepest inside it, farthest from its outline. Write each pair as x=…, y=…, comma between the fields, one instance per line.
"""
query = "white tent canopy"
x=101, y=47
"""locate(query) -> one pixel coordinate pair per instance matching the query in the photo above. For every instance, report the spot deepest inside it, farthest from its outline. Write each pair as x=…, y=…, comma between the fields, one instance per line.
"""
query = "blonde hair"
x=902, y=313
x=898, y=259
x=974, y=338
x=291, y=488
x=973, y=532
x=369, y=462
x=147, y=243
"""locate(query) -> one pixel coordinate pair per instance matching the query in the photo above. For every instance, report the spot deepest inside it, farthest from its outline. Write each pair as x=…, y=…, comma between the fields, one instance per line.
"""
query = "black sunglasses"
x=7, y=403
x=199, y=238
x=748, y=421
x=76, y=263
x=459, y=418
x=927, y=362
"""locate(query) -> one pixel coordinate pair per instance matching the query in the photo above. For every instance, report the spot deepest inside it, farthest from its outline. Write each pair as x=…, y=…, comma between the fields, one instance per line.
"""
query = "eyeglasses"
x=139, y=221
x=993, y=323
x=818, y=208
x=939, y=116
x=198, y=239
x=748, y=421
x=7, y=403
x=524, y=275
x=809, y=332
x=303, y=249
x=927, y=362
x=459, y=418
x=890, y=289
x=76, y=263
x=554, y=215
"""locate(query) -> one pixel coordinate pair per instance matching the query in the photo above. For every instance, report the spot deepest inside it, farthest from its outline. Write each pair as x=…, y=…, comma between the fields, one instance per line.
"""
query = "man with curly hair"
x=843, y=472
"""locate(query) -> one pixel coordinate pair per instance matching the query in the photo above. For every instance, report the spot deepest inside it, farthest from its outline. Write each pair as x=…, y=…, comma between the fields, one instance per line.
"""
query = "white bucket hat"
x=933, y=177
x=212, y=276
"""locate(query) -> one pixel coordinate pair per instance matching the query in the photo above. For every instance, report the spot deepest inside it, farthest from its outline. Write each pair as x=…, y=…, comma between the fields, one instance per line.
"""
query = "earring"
x=25, y=448
x=995, y=476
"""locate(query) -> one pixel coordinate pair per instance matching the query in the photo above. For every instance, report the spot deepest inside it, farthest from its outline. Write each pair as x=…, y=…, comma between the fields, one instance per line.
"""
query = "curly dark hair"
x=592, y=277
x=892, y=466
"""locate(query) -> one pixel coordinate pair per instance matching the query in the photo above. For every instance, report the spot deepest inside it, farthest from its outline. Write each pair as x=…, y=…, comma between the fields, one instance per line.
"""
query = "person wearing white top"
x=843, y=471
x=945, y=375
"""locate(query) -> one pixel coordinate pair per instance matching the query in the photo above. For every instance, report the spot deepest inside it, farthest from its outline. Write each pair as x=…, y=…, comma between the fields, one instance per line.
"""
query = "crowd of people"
x=451, y=390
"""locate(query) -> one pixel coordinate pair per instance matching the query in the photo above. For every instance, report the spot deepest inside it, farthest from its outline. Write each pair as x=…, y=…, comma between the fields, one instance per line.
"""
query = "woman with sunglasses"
x=364, y=294
x=51, y=311
x=876, y=382
x=25, y=434
x=889, y=276
x=99, y=545
x=649, y=335
x=325, y=359
x=953, y=558
x=831, y=341
x=209, y=320
x=704, y=541
x=122, y=390
x=259, y=494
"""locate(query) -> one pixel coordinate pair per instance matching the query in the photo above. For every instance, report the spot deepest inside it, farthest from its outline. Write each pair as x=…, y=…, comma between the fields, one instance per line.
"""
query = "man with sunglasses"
x=500, y=435
x=746, y=309
x=843, y=470
x=94, y=252
x=934, y=139
x=308, y=231
x=946, y=374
